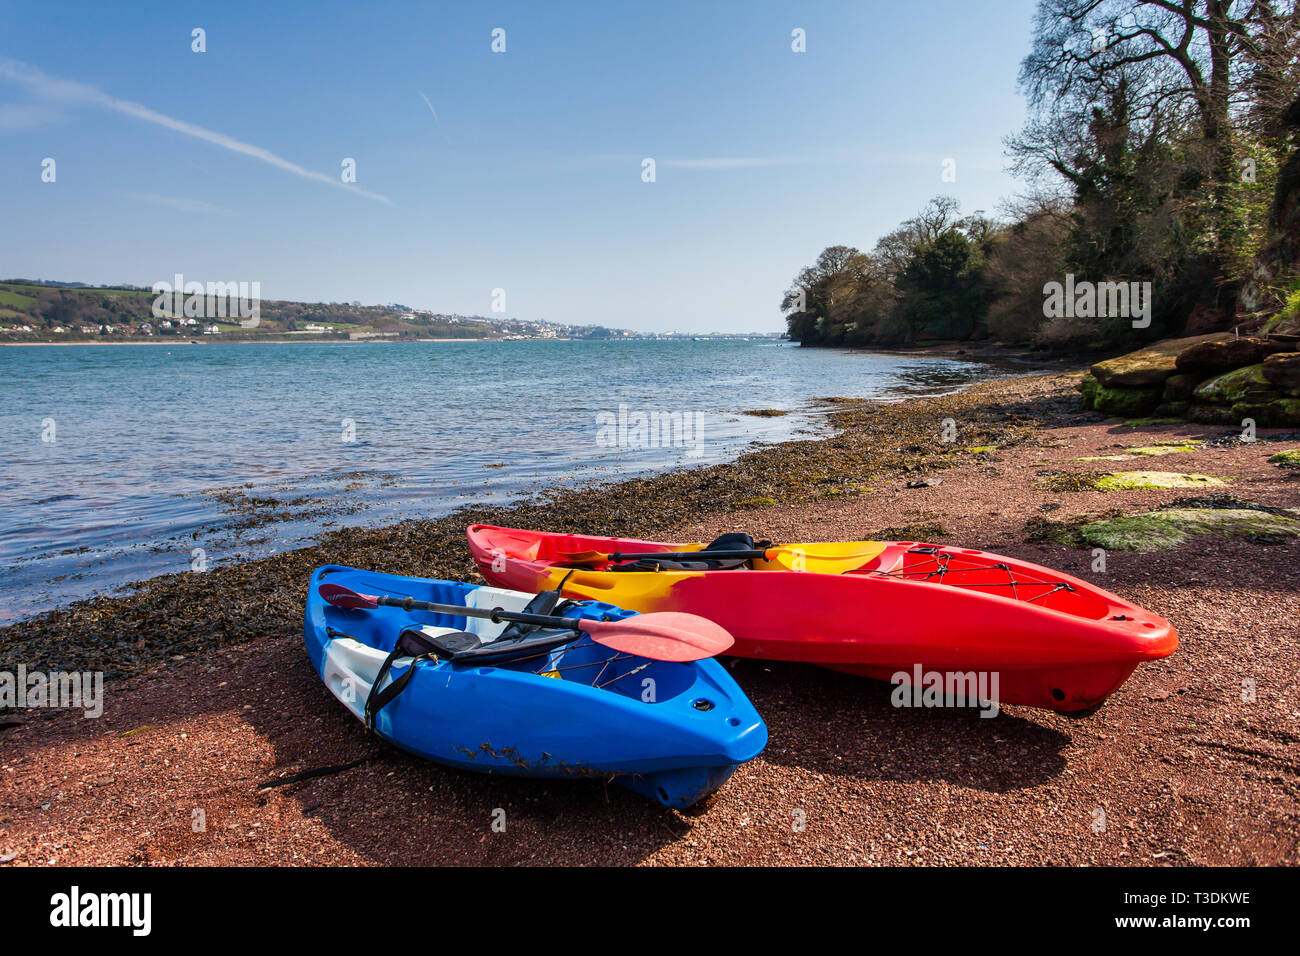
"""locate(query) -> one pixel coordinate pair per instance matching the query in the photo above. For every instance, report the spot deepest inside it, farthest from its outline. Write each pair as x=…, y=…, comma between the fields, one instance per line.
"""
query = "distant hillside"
x=43, y=311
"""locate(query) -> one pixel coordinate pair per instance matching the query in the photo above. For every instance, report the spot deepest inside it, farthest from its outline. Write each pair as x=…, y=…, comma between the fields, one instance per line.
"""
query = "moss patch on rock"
x=1170, y=525
x=1277, y=413
x=1127, y=480
x=1286, y=459
x=1233, y=386
x=1125, y=402
x=1150, y=422
x=1132, y=480
x=1156, y=450
x=1162, y=530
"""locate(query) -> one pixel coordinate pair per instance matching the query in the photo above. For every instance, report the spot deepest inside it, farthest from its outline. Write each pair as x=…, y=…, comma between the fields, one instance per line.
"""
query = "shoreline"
x=1017, y=790
x=216, y=340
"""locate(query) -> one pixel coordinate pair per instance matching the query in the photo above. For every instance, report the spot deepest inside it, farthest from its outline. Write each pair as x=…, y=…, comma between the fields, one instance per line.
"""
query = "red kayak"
x=888, y=610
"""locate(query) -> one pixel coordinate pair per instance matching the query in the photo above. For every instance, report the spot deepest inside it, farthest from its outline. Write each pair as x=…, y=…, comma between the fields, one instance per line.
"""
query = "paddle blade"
x=662, y=636
x=340, y=596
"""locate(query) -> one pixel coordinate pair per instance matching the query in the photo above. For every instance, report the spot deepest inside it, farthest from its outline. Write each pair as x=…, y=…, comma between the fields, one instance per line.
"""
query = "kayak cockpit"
x=462, y=642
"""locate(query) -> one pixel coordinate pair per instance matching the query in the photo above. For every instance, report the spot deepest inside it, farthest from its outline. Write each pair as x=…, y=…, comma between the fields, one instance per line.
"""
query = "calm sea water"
x=124, y=462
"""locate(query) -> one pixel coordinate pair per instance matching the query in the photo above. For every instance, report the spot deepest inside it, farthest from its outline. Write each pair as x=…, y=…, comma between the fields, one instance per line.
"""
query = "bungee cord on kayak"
x=943, y=561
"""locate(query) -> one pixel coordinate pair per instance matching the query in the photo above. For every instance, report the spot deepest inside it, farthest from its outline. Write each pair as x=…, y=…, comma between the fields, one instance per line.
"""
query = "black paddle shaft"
x=685, y=555
x=496, y=615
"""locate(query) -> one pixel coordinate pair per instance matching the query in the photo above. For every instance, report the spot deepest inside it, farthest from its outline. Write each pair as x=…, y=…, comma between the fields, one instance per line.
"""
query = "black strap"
x=377, y=699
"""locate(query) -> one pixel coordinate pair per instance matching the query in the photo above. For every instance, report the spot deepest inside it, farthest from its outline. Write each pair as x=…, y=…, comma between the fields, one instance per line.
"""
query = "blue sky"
x=225, y=165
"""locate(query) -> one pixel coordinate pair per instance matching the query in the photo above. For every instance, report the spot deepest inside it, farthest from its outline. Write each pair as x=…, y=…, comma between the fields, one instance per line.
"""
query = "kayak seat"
x=732, y=541
x=515, y=641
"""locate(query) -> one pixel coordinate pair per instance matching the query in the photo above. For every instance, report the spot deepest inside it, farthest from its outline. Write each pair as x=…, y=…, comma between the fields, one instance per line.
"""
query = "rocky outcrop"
x=1278, y=413
x=1213, y=380
x=1283, y=370
x=1130, y=402
x=1181, y=387
x=1150, y=365
x=1237, y=386
x=1222, y=355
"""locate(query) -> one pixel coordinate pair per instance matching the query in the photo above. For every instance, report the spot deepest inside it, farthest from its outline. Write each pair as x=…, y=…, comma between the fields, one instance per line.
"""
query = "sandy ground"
x=1182, y=769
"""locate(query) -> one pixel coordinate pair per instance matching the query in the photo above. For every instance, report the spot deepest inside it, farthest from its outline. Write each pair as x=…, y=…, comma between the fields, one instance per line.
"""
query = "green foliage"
x=925, y=280
x=1164, y=155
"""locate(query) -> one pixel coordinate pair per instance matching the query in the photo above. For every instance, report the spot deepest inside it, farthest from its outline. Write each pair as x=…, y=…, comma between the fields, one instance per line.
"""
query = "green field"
x=15, y=299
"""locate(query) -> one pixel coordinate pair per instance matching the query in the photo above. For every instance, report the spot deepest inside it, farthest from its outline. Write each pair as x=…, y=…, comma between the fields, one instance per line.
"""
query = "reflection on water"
x=171, y=457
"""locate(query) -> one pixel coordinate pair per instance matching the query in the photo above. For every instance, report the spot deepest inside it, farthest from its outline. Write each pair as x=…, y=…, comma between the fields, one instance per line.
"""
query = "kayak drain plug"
x=702, y=703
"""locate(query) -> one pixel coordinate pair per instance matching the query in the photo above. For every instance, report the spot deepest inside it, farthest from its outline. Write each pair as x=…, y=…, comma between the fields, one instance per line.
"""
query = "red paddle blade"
x=662, y=636
x=340, y=596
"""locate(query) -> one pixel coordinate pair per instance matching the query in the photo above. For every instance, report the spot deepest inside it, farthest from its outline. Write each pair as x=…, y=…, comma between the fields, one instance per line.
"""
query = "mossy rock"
x=1212, y=415
x=762, y=502
x=1154, y=451
x=1134, y=480
x=1232, y=386
x=1172, y=410
x=1150, y=365
x=1166, y=529
x=1286, y=459
x=1210, y=358
x=1088, y=385
x=1278, y=413
x=1166, y=448
x=1283, y=370
x=1126, y=480
x=1179, y=388
x=1151, y=422
x=1126, y=402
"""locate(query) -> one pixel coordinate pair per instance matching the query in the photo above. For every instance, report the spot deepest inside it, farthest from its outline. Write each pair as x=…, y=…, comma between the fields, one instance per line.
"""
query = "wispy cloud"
x=181, y=203
x=430, y=105
x=72, y=91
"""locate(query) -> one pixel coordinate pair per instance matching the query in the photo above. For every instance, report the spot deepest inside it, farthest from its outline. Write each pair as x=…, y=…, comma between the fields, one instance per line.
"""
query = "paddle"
x=662, y=636
x=795, y=558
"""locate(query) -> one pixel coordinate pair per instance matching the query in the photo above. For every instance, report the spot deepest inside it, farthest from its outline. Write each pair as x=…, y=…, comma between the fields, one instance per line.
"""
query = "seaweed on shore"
x=196, y=612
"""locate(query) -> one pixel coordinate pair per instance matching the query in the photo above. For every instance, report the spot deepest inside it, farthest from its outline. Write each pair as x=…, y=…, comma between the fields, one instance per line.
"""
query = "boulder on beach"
x=1088, y=385
x=1233, y=386
x=1278, y=413
x=1126, y=402
x=1214, y=357
x=1180, y=387
x=1150, y=365
x=1283, y=370
x=1211, y=415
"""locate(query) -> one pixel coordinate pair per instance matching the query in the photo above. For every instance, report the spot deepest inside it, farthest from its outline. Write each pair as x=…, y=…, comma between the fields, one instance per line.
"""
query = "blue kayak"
x=513, y=699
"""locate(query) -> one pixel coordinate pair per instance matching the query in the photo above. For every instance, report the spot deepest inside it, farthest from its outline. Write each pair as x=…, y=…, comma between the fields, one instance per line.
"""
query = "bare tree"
x=1199, y=61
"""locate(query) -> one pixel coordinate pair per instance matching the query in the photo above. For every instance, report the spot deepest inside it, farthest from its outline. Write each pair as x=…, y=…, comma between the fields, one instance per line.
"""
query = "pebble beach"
x=211, y=704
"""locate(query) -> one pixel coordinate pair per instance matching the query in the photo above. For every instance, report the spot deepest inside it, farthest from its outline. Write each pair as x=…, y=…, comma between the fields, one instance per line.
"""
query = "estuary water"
x=124, y=462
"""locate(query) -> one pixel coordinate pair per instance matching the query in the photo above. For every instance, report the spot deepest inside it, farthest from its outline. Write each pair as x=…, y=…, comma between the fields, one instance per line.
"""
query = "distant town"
x=36, y=311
